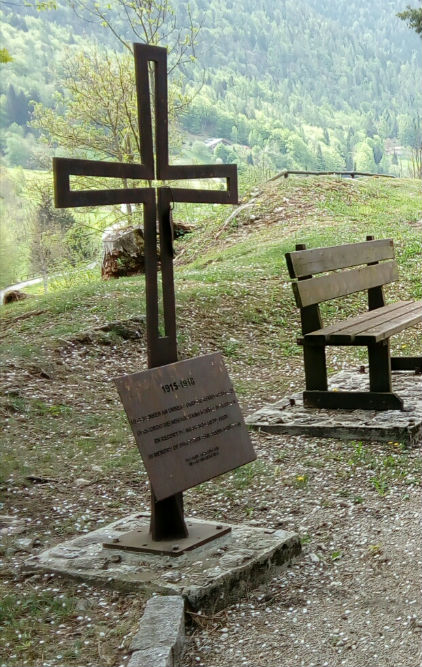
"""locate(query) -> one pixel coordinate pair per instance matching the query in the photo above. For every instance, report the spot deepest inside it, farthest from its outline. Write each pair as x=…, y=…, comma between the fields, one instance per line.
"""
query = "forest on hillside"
x=292, y=84
x=296, y=84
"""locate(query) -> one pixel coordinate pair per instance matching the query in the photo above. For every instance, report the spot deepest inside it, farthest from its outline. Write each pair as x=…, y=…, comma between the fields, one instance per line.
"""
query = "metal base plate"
x=141, y=540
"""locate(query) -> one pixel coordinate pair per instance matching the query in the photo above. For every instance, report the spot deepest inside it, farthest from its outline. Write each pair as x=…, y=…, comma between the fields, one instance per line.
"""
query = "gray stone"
x=172, y=575
x=159, y=656
x=81, y=481
x=209, y=577
x=314, y=558
x=24, y=544
x=290, y=416
x=161, y=636
x=10, y=525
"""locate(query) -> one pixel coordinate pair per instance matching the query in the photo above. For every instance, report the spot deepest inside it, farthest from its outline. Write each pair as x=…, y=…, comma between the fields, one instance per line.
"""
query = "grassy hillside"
x=59, y=354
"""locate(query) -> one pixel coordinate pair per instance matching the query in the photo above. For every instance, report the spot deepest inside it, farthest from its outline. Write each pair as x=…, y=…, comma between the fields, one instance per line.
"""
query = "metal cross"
x=167, y=515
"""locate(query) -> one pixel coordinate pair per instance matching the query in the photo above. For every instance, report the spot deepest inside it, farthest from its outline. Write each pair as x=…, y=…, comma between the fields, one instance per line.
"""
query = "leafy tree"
x=416, y=162
x=200, y=152
x=47, y=228
x=377, y=149
x=12, y=229
x=364, y=158
x=330, y=65
x=225, y=153
x=320, y=163
x=299, y=153
x=149, y=21
x=413, y=18
x=95, y=115
x=369, y=125
x=17, y=107
x=99, y=113
x=18, y=147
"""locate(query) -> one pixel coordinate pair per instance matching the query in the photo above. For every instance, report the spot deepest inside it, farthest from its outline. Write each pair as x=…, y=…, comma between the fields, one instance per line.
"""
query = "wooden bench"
x=372, y=328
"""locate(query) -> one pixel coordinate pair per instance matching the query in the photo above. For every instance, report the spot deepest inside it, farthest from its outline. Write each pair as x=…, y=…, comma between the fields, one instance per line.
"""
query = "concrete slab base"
x=290, y=416
x=209, y=577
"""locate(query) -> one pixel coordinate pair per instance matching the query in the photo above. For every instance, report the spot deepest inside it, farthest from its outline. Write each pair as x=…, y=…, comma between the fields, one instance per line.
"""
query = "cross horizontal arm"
x=204, y=196
x=227, y=171
x=63, y=168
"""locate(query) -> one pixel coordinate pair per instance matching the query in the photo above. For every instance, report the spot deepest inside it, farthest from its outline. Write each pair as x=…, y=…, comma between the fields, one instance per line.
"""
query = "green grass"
x=237, y=286
x=387, y=470
x=250, y=272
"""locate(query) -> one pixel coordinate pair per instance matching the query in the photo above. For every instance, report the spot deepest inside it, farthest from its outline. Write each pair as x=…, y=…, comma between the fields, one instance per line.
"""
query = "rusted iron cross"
x=167, y=515
x=156, y=203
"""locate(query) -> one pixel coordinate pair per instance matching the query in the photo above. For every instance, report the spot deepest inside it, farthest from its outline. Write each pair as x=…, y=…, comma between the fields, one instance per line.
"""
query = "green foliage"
x=413, y=18
x=277, y=75
x=5, y=56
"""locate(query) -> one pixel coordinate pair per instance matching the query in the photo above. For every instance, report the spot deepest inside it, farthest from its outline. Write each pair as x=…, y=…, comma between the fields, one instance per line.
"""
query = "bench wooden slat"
x=324, y=288
x=318, y=260
x=375, y=318
x=358, y=323
x=386, y=329
x=382, y=329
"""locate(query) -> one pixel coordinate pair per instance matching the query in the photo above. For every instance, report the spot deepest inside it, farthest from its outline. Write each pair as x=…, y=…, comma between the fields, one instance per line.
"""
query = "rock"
x=116, y=559
x=172, y=577
x=10, y=525
x=82, y=605
x=161, y=636
x=82, y=482
x=24, y=544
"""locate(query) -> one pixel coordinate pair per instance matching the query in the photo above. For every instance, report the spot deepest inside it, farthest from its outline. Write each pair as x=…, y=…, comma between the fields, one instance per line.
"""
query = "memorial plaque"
x=187, y=422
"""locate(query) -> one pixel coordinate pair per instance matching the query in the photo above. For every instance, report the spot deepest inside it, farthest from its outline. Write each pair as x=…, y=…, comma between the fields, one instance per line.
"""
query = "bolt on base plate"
x=141, y=540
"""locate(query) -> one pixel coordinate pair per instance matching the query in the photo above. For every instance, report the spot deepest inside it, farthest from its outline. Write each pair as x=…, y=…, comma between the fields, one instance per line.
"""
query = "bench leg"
x=380, y=367
x=315, y=367
x=380, y=396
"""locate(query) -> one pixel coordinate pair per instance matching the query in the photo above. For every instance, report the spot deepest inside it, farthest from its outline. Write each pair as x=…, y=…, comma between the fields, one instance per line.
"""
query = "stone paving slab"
x=209, y=577
x=290, y=416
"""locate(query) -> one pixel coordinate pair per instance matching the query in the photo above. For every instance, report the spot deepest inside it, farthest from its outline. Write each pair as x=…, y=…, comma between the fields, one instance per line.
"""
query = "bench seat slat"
x=395, y=325
x=318, y=260
x=319, y=335
x=324, y=288
x=374, y=318
x=370, y=327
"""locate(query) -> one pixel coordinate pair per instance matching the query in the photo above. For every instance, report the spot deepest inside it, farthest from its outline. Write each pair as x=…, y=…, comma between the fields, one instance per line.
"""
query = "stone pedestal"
x=290, y=416
x=209, y=577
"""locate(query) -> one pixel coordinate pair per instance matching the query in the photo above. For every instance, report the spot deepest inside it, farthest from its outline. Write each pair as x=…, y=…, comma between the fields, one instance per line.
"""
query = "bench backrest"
x=310, y=290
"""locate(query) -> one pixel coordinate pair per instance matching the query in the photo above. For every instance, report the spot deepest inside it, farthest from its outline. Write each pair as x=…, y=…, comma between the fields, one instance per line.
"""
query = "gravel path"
x=353, y=598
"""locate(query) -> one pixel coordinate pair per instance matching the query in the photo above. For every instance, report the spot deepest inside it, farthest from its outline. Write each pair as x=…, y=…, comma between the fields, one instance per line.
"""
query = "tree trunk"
x=123, y=252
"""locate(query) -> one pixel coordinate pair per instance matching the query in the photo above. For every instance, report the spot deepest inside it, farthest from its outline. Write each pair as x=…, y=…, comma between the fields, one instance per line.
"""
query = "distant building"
x=212, y=143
